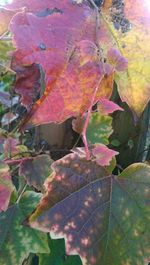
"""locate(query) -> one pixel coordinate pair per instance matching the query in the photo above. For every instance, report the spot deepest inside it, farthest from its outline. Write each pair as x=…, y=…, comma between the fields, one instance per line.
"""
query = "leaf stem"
x=87, y=120
x=12, y=162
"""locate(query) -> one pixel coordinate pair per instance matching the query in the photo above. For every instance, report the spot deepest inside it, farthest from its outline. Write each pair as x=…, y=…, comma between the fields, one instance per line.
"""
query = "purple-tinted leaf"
x=103, y=219
x=36, y=170
x=120, y=63
x=6, y=100
x=10, y=146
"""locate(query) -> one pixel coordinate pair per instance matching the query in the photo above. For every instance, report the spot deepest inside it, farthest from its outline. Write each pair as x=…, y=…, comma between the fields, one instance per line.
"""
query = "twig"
x=7, y=68
x=97, y=87
x=21, y=193
x=12, y=162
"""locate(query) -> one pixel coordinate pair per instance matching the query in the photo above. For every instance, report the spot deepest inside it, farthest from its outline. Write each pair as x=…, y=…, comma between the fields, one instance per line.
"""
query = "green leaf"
x=58, y=255
x=99, y=129
x=16, y=240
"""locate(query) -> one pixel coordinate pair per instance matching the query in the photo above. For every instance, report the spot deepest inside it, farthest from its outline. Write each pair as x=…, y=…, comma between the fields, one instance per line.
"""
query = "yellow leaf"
x=134, y=84
x=5, y=18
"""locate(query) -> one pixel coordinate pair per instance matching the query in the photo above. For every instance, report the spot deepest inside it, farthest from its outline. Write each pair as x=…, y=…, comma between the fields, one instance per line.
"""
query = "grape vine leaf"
x=28, y=81
x=134, y=83
x=103, y=154
x=106, y=107
x=5, y=18
x=10, y=146
x=104, y=219
x=99, y=129
x=17, y=241
x=36, y=170
x=6, y=186
x=63, y=44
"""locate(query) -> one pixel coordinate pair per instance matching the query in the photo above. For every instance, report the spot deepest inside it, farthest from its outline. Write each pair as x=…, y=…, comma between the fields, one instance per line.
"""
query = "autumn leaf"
x=27, y=83
x=6, y=186
x=106, y=107
x=104, y=219
x=69, y=57
x=36, y=170
x=133, y=84
x=103, y=154
x=107, y=4
x=14, y=236
x=5, y=18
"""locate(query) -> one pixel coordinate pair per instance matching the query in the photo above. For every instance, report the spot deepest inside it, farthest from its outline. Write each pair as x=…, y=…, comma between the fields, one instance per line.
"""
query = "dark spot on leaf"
x=48, y=11
x=42, y=46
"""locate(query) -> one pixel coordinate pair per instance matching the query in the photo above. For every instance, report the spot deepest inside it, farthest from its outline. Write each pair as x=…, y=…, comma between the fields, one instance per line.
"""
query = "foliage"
x=63, y=60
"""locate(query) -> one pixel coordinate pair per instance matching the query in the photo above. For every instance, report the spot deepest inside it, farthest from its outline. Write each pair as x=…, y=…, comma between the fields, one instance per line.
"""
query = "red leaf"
x=6, y=186
x=63, y=45
x=103, y=154
x=27, y=81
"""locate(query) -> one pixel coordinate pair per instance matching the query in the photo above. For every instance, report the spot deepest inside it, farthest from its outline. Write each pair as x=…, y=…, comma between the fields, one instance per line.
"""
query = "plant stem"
x=88, y=118
x=12, y=162
x=21, y=193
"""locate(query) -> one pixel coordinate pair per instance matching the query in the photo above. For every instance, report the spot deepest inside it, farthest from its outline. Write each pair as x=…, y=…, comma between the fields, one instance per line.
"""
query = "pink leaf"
x=10, y=145
x=103, y=154
x=106, y=106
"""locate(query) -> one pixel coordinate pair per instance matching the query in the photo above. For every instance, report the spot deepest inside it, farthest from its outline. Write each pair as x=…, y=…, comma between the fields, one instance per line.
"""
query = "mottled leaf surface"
x=36, y=170
x=27, y=83
x=134, y=83
x=63, y=44
x=106, y=221
x=17, y=241
x=6, y=186
x=103, y=154
x=99, y=129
